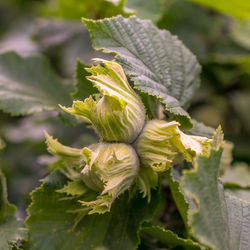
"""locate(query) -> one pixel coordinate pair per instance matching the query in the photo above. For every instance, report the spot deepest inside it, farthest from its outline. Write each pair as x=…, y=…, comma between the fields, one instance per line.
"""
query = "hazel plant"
x=132, y=151
x=117, y=114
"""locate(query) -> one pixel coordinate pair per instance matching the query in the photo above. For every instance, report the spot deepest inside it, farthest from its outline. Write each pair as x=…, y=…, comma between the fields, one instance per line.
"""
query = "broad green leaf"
x=28, y=85
x=75, y=9
x=156, y=61
x=11, y=228
x=220, y=221
x=169, y=238
x=239, y=9
x=56, y=223
x=237, y=176
x=83, y=87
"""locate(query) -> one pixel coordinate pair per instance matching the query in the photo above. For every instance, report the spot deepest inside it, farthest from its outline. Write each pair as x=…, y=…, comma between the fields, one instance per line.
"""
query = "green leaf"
x=169, y=238
x=83, y=87
x=220, y=221
x=53, y=221
x=28, y=85
x=156, y=61
x=237, y=176
x=11, y=228
x=239, y=9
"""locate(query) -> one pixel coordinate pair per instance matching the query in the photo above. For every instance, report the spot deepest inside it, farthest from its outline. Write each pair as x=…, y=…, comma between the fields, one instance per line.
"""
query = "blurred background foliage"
x=53, y=28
